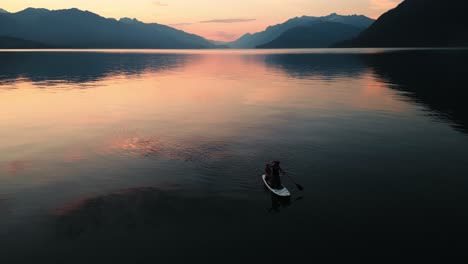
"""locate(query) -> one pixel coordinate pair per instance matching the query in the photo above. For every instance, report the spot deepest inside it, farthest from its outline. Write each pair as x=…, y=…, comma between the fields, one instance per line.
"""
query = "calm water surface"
x=156, y=155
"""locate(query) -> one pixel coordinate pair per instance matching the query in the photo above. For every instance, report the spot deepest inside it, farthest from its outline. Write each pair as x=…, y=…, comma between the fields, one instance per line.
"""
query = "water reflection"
x=55, y=68
x=436, y=79
x=148, y=221
x=278, y=202
x=214, y=95
x=17, y=166
x=325, y=66
x=433, y=78
x=353, y=128
x=193, y=149
x=206, y=102
x=138, y=208
x=148, y=209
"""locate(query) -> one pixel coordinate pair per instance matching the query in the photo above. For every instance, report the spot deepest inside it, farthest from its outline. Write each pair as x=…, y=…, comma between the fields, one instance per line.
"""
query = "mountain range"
x=313, y=35
x=73, y=28
x=418, y=23
x=414, y=23
x=15, y=43
x=273, y=32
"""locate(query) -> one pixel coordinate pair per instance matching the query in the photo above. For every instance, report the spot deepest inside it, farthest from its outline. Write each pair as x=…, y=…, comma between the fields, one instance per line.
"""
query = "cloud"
x=229, y=20
x=160, y=3
x=181, y=24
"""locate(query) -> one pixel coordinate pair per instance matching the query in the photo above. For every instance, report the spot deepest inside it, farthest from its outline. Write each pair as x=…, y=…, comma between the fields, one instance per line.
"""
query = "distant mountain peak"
x=274, y=31
x=75, y=28
x=3, y=11
x=130, y=21
x=315, y=34
x=74, y=10
x=336, y=15
x=30, y=10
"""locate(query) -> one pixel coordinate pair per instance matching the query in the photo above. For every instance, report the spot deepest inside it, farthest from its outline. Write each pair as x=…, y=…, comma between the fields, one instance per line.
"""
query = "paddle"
x=297, y=185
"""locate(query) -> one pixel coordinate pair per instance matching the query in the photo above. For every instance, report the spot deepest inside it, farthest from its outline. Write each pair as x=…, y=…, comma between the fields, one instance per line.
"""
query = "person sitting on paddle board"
x=275, y=176
x=268, y=172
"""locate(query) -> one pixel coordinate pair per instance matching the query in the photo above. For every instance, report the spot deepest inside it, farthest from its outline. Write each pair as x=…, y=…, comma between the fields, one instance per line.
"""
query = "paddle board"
x=283, y=192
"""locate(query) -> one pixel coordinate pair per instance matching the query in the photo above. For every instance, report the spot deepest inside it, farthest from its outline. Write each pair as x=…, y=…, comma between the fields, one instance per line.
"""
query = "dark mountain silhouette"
x=272, y=32
x=418, y=23
x=3, y=11
x=314, y=35
x=16, y=43
x=73, y=28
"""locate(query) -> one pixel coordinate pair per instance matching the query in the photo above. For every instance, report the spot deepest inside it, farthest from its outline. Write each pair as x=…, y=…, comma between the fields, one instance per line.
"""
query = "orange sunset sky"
x=223, y=20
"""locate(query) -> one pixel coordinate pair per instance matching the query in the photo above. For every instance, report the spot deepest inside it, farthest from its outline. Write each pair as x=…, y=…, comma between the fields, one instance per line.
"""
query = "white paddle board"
x=283, y=192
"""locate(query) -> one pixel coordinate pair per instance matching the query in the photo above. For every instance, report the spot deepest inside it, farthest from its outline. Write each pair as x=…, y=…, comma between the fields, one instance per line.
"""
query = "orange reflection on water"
x=74, y=155
x=17, y=167
x=211, y=95
x=375, y=95
x=130, y=143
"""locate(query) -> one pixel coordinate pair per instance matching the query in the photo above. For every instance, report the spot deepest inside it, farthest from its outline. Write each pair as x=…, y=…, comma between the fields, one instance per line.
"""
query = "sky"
x=222, y=20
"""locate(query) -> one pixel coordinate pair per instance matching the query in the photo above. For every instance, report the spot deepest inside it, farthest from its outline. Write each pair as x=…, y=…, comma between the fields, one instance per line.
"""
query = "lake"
x=110, y=156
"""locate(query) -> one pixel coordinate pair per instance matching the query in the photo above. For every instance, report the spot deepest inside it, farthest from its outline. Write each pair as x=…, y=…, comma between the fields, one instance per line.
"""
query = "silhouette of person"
x=275, y=176
x=268, y=172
